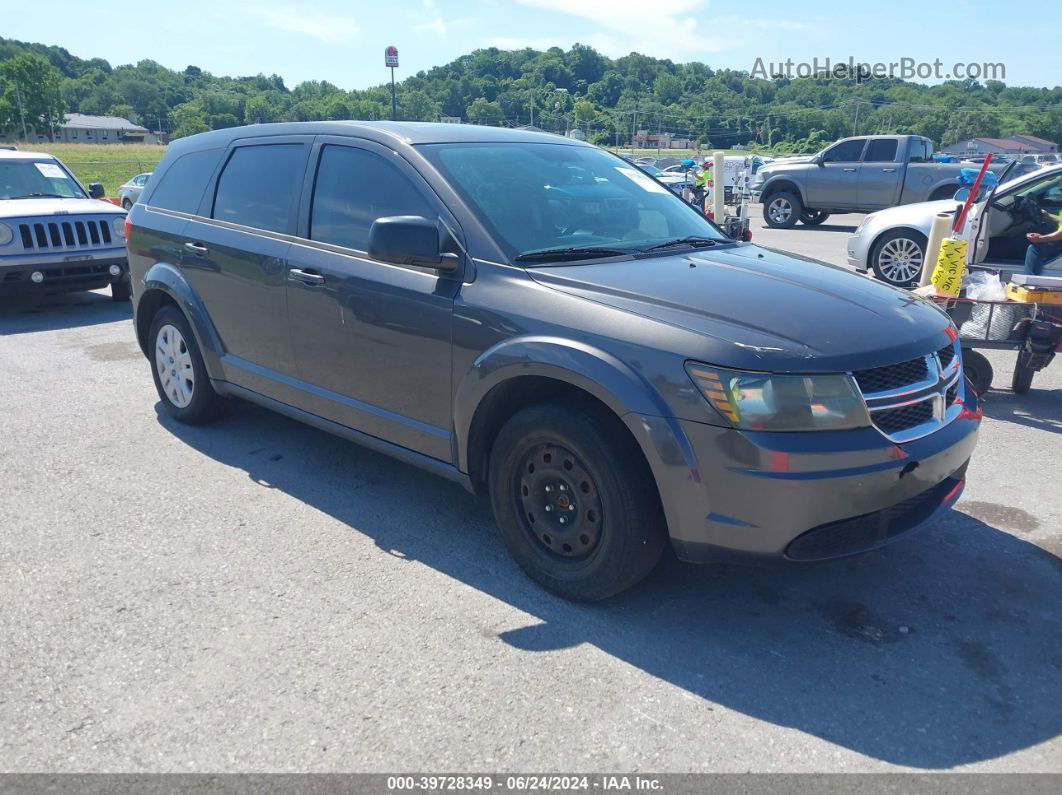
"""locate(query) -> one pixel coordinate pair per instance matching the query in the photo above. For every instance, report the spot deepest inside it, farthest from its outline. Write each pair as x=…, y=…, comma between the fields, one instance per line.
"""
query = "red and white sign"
x=391, y=57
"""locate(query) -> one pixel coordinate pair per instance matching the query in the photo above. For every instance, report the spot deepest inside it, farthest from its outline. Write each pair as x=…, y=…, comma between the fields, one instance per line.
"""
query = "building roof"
x=81, y=121
x=1035, y=139
x=1005, y=143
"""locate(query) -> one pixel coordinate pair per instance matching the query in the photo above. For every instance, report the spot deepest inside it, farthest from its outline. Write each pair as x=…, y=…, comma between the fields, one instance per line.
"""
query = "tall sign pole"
x=391, y=61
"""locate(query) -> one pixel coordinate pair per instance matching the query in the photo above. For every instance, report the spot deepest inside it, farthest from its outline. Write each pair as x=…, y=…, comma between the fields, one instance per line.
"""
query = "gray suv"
x=542, y=322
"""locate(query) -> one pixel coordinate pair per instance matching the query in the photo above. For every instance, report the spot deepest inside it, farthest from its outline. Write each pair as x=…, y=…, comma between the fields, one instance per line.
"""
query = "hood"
x=35, y=208
x=920, y=213
x=758, y=309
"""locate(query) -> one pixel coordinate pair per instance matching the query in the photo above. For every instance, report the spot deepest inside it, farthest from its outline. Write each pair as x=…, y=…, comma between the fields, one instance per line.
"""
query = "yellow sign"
x=947, y=275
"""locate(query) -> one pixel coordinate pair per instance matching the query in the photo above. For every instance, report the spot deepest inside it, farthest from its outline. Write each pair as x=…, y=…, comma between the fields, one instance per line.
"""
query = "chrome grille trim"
x=944, y=381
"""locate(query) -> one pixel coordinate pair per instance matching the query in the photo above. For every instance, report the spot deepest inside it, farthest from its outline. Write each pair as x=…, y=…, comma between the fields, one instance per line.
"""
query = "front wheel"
x=898, y=256
x=813, y=217
x=575, y=501
x=782, y=210
x=126, y=204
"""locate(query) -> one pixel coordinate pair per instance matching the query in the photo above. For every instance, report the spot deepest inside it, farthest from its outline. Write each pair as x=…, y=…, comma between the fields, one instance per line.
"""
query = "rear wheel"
x=978, y=369
x=180, y=375
x=782, y=210
x=813, y=217
x=898, y=256
x=126, y=204
x=575, y=501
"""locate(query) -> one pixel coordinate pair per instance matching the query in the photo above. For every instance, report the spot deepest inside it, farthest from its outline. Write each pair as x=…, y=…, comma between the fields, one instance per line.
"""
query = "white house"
x=80, y=128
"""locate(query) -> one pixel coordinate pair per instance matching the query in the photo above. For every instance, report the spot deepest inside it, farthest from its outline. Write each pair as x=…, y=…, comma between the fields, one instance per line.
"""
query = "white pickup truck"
x=56, y=236
x=854, y=175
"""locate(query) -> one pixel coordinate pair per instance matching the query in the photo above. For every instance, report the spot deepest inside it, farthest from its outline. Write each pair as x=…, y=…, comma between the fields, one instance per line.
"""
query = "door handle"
x=848, y=169
x=196, y=248
x=305, y=275
x=888, y=170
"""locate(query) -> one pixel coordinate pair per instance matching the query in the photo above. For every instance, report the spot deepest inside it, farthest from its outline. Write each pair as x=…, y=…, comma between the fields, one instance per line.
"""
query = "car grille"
x=915, y=397
x=66, y=235
x=863, y=533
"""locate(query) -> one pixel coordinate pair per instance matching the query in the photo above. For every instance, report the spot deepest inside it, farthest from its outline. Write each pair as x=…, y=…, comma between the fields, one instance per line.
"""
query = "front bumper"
x=800, y=496
x=59, y=277
x=856, y=249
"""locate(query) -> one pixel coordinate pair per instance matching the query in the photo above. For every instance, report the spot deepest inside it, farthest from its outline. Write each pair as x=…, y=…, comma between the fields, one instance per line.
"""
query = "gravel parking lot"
x=257, y=595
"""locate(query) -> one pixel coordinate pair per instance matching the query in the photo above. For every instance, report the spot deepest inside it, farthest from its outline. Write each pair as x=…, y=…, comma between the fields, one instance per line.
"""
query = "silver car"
x=892, y=242
x=129, y=193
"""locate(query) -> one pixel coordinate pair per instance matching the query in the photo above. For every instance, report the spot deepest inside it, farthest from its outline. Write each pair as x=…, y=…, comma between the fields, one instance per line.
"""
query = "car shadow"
x=29, y=313
x=1040, y=408
x=940, y=650
x=800, y=227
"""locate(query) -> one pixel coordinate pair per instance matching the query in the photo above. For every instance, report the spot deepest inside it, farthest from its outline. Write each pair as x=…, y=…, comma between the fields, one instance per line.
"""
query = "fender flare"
x=167, y=278
x=774, y=185
x=620, y=387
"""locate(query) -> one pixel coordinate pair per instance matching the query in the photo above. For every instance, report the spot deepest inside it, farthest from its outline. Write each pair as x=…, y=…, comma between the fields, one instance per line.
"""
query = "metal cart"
x=1033, y=330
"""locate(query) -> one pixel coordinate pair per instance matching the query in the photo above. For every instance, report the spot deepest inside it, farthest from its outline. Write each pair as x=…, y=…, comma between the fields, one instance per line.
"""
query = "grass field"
x=111, y=165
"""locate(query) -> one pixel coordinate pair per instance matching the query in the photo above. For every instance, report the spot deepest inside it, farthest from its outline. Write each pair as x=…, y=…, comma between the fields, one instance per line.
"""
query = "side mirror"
x=409, y=240
x=96, y=190
x=818, y=160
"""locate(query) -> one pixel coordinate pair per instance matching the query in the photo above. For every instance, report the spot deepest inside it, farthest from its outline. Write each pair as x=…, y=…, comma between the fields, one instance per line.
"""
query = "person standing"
x=1043, y=249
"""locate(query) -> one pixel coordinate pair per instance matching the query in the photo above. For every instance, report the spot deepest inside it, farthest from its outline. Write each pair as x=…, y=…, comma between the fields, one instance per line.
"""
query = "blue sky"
x=343, y=42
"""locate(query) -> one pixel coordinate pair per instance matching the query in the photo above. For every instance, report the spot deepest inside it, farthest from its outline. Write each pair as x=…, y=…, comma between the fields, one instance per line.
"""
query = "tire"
x=126, y=204
x=190, y=398
x=1021, y=381
x=897, y=257
x=978, y=369
x=555, y=461
x=782, y=210
x=813, y=217
x=121, y=291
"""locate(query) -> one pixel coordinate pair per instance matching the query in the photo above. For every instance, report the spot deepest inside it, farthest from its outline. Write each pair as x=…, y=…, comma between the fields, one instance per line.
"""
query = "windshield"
x=536, y=197
x=652, y=171
x=29, y=179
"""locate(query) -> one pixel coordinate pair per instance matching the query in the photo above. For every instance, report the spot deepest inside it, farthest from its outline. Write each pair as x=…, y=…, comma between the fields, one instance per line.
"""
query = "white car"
x=892, y=242
x=129, y=193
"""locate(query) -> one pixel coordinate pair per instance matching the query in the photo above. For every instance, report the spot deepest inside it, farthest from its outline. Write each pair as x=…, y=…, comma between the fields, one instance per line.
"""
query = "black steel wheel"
x=575, y=501
x=978, y=369
x=560, y=501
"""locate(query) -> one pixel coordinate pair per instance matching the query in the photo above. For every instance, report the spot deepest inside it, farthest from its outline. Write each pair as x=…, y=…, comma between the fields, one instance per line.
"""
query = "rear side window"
x=260, y=186
x=881, y=150
x=183, y=183
x=921, y=151
x=844, y=152
x=354, y=187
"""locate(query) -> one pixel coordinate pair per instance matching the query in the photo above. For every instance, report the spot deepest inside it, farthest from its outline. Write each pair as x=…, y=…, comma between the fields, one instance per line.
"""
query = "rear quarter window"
x=181, y=187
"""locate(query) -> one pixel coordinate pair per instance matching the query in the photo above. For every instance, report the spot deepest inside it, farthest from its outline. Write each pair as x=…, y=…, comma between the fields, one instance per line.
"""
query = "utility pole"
x=855, y=121
x=532, y=107
x=21, y=113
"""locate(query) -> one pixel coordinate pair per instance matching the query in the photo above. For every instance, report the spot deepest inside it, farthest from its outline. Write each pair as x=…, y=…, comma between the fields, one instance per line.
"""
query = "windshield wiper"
x=40, y=196
x=695, y=242
x=573, y=252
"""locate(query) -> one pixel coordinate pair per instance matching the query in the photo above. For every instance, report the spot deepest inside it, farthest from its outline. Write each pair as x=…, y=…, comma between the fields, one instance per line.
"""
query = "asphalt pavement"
x=259, y=596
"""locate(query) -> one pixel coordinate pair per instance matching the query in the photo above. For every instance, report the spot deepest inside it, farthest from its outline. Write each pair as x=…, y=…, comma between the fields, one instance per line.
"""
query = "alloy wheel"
x=900, y=260
x=779, y=210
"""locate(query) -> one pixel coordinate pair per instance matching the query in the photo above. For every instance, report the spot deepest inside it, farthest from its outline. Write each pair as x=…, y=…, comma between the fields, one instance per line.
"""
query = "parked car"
x=861, y=174
x=130, y=192
x=56, y=236
x=593, y=354
x=892, y=243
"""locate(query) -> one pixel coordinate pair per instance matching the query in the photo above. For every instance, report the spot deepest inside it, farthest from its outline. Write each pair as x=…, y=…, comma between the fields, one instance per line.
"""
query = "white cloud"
x=432, y=20
x=316, y=24
x=679, y=29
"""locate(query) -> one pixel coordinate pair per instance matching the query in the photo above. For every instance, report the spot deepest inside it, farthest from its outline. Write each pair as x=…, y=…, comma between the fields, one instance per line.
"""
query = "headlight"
x=767, y=402
x=6, y=234
x=118, y=225
x=862, y=224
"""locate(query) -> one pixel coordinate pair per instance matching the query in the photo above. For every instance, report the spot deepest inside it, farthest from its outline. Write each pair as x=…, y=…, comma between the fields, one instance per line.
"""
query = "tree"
x=120, y=111
x=668, y=89
x=483, y=112
x=32, y=92
x=187, y=120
